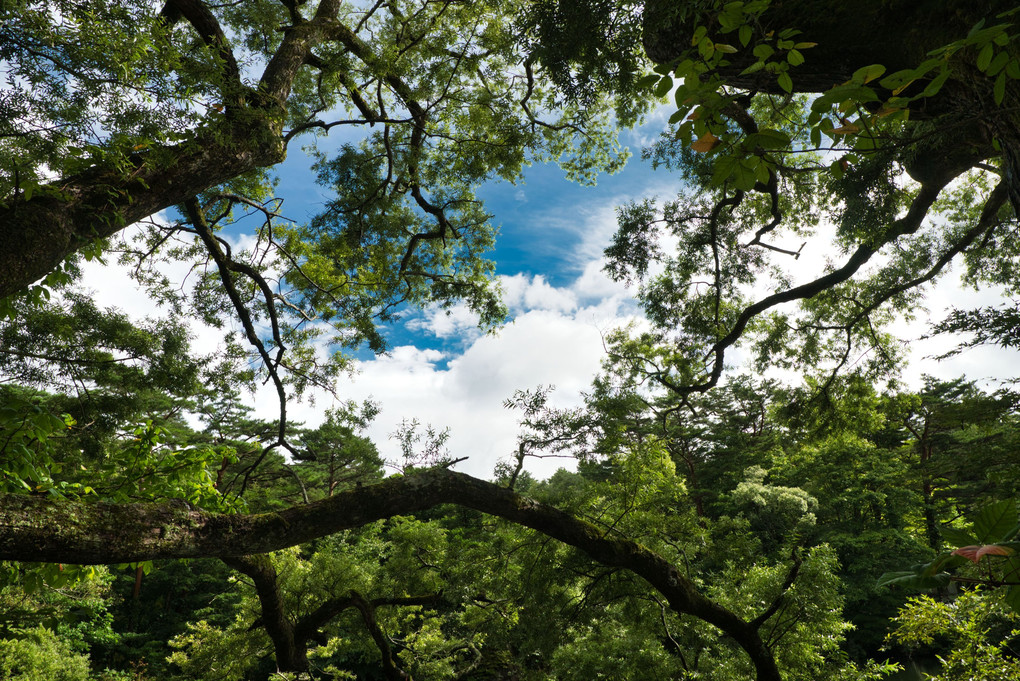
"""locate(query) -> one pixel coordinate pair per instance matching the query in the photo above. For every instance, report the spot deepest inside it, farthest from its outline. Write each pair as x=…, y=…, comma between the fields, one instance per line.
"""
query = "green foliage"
x=38, y=655
x=977, y=626
x=780, y=504
x=28, y=462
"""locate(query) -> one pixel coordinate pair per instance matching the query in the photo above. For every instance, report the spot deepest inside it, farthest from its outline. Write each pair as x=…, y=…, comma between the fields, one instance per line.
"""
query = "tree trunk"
x=38, y=233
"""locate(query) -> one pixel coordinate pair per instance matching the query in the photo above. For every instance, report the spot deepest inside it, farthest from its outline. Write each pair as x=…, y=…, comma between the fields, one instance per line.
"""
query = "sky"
x=441, y=371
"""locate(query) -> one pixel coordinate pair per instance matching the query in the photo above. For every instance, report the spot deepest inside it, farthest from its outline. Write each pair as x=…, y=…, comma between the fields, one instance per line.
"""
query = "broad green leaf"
x=936, y=84
x=648, y=81
x=995, y=521
x=985, y=57
x=756, y=66
x=999, y=90
x=769, y=138
x=795, y=58
x=785, y=81
x=664, y=86
x=957, y=537
x=866, y=74
x=745, y=174
x=999, y=63
x=699, y=33
x=745, y=33
x=1012, y=598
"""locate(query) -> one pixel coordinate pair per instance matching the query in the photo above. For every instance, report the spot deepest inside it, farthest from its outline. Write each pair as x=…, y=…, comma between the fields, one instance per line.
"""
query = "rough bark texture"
x=36, y=528
x=37, y=234
x=897, y=34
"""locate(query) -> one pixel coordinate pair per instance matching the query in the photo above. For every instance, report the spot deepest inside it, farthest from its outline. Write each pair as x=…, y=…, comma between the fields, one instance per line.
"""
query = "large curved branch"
x=295, y=49
x=55, y=530
x=60, y=218
x=908, y=224
x=37, y=234
x=211, y=33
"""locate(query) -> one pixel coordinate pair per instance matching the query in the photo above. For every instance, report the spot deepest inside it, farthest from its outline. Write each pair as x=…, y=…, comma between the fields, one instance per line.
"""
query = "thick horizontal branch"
x=38, y=528
x=37, y=234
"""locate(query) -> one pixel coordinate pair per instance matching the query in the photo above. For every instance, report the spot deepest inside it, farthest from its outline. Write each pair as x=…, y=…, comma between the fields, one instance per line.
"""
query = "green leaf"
x=745, y=33
x=999, y=90
x=768, y=138
x=763, y=52
x=958, y=537
x=1013, y=69
x=756, y=66
x=985, y=57
x=664, y=86
x=706, y=48
x=785, y=81
x=745, y=174
x=648, y=81
x=724, y=168
x=726, y=49
x=995, y=521
x=936, y=84
x=866, y=74
x=795, y=58
x=999, y=63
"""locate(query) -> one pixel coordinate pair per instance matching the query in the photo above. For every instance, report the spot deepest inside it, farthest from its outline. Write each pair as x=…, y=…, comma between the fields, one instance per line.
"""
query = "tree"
x=768, y=166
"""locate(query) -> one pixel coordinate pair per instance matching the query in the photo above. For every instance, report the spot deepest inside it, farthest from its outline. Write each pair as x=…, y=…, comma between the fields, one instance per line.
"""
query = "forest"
x=756, y=485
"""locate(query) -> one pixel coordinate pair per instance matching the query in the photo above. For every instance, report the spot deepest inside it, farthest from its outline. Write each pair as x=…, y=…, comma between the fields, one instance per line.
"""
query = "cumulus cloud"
x=541, y=346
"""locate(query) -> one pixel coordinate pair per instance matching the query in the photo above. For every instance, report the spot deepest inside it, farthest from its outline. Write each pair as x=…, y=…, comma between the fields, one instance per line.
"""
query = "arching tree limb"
x=59, y=530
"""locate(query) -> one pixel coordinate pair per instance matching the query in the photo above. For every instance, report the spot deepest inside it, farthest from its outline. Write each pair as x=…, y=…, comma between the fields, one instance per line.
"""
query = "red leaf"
x=994, y=550
x=968, y=552
x=974, y=553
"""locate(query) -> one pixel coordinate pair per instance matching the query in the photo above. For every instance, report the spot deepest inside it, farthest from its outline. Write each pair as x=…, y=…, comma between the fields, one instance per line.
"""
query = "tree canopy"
x=767, y=511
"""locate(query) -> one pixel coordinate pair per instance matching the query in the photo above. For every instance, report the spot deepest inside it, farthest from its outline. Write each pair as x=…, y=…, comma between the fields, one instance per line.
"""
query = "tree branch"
x=36, y=528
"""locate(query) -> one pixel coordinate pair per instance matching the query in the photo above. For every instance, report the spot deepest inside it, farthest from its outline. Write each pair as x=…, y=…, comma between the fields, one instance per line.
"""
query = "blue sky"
x=544, y=219
x=441, y=371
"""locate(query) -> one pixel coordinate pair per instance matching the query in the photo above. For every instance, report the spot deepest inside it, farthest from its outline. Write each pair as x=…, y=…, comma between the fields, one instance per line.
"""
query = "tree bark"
x=896, y=33
x=55, y=530
x=38, y=232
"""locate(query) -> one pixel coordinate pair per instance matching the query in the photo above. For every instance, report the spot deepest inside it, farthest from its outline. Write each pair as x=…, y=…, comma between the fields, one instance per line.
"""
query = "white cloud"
x=521, y=292
x=556, y=338
x=457, y=321
x=540, y=346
